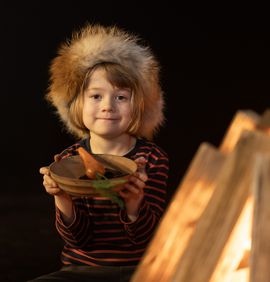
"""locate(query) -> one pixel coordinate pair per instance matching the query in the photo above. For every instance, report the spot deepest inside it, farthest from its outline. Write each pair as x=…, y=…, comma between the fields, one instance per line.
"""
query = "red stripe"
x=162, y=174
x=95, y=244
x=157, y=181
x=160, y=165
x=146, y=147
x=80, y=260
x=155, y=197
x=139, y=154
x=148, y=233
x=110, y=239
x=106, y=222
x=157, y=157
x=157, y=149
x=157, y=206
x=108, y=230
x=104, y=214
x=145, y=224
x=117, y=252
x=103, y=259
x=97, y=206
x=152, y=188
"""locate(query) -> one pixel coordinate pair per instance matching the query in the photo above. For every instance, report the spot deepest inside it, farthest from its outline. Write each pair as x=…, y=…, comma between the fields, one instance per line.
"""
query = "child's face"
x=107, y=109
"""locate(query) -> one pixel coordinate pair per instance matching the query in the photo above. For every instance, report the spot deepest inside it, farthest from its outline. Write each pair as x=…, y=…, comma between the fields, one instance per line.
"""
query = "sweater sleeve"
x=153, y=205
x=79, y=232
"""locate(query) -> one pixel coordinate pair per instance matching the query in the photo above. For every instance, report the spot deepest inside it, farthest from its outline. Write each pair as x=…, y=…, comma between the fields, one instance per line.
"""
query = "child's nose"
x=108, y=105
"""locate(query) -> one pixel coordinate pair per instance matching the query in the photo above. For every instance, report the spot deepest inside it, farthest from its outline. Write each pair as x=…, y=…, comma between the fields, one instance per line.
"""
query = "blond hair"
x=120, y=78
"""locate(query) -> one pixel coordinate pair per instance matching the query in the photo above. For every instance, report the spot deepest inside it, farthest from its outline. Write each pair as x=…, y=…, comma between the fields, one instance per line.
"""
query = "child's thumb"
x=57, y=157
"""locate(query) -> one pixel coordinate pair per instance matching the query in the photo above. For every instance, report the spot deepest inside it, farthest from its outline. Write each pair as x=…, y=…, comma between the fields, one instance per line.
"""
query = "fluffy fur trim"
x=95, y=44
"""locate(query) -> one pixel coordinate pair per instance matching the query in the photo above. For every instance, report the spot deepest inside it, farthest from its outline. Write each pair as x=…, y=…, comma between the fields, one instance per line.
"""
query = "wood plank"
x=202, y=256
x=242, y=120
x=236, y=249
x=179, y=221
x=260, y=251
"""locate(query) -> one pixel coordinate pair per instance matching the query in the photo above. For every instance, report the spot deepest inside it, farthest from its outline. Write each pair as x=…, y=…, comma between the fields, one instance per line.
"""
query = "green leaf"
x=103, y=184
x=108, y=183
x=112, y=195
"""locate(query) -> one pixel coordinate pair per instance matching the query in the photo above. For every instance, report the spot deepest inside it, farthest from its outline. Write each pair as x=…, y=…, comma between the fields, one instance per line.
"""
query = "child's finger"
x=127, y=194
x=131, y=189
x=53, y=191
x=141, y=175
x=57, y=157
x=141, y=162
x=135, y=180
x=44, y=170
x=48, y=182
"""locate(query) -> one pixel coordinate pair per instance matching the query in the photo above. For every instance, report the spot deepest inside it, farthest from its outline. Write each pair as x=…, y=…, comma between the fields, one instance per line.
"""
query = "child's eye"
x=121, y=98
x=95, y=96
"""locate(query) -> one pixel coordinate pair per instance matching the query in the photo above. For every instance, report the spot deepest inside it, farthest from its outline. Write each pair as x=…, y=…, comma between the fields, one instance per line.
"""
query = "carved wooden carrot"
x=93, y=168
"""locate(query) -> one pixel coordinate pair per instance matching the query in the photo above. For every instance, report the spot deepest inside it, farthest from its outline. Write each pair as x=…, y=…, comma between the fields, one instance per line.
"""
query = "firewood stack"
x=217, y=226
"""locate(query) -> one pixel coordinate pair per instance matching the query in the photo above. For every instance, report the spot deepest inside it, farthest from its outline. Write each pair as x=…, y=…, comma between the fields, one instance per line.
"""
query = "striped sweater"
x=101, y=233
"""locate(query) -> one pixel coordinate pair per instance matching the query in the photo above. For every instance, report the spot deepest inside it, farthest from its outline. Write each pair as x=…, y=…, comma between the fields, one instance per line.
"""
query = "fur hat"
x=94, y=44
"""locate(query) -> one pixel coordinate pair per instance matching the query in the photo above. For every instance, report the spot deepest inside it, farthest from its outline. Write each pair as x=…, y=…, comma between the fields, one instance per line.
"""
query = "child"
x=105, y=87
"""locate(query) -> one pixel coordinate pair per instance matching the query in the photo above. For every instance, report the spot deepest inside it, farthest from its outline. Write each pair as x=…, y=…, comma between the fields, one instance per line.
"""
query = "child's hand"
x=62, y=200
x=50, y=185
x=132, y=192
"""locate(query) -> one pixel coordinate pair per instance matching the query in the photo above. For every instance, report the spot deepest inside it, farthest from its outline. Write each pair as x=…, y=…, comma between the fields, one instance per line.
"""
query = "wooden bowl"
x=69, y=174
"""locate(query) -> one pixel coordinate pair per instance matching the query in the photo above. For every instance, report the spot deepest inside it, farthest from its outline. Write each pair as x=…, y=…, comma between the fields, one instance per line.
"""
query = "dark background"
x=214, y=63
